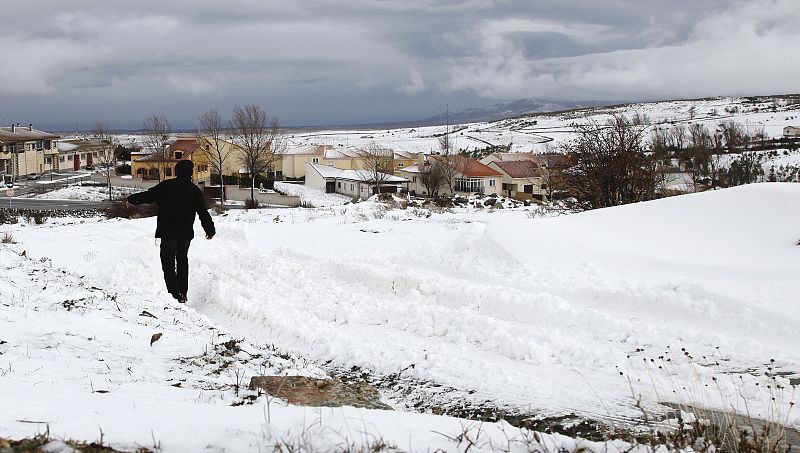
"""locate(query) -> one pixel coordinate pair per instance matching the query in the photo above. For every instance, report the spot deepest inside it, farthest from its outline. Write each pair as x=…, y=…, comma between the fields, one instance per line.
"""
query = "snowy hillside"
x=549, y=316
x=546, y=131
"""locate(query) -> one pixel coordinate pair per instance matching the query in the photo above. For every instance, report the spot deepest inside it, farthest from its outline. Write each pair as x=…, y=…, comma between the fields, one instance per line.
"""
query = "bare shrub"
x=37, y=217
x=219, y=208
x=251, y=203
x=8, y=238
x=7, y=216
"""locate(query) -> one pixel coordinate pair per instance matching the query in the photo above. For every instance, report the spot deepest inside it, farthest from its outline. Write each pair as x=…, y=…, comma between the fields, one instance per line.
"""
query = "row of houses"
x=339, y=169
x=522, y=176
x=25, y=150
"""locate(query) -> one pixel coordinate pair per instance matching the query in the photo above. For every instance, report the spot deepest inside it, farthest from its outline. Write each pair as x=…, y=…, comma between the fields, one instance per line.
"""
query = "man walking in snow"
x=178, y=200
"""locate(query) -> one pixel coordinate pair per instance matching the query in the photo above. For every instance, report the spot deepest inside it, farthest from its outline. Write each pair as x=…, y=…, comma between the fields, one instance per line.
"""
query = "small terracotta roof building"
x=472, y=168
x=519, y=168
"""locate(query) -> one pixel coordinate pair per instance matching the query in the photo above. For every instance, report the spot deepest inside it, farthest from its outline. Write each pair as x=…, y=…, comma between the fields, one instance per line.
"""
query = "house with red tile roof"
x=529, y=175
x=522, y=179
x=468, y=175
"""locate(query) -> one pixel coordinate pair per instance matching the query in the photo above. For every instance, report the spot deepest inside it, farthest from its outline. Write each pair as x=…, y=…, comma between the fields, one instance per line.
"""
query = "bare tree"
x=105, y=152
x=611, y=167
x=157, y=131
x=210, y=135
x=658, y=142
x=677, y=136
x=431, y=176
x=259, y=137
x=734, y=136
x=377, y=164
x=744, y=170
x=697, y=156
x=447, y=165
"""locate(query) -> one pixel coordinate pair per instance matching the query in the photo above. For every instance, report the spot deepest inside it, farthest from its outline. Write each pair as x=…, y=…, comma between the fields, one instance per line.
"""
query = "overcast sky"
x=316, y=62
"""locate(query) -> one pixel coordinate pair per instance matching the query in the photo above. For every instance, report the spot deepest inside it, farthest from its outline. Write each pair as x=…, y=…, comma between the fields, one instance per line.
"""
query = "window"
x=400, y=165
x=492, y=182
x=414, y=179
x=315, y=160
x=48, y=160
x=62, y=159
x=168, y=171
x=352, y=187
x=469, y=185
x=339, y=184
x=178, y=154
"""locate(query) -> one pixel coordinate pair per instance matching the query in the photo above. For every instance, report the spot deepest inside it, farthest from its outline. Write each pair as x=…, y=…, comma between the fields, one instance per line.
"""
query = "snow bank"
x=548, y=315
x=79, y=362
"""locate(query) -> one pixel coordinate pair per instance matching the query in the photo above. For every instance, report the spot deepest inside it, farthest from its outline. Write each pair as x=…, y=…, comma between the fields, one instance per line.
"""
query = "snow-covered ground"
x=89, y=193
x=311, y=196
x=682, y=299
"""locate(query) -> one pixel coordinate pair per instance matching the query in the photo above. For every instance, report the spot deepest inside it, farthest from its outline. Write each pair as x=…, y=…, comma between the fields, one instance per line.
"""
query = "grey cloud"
x=319, y=61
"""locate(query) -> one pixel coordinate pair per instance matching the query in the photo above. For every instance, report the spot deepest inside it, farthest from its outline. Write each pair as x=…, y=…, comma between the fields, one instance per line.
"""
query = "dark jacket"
x=178, y=200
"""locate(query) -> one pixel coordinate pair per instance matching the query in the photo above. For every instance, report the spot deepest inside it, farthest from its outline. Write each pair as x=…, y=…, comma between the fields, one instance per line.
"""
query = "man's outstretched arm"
x=151, y=195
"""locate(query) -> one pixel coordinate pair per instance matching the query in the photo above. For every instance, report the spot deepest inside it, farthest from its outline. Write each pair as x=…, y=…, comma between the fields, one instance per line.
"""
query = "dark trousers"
x=175, y=264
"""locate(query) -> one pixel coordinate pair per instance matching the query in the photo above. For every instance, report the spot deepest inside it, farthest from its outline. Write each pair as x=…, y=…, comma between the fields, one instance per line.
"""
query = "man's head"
x=183, y=169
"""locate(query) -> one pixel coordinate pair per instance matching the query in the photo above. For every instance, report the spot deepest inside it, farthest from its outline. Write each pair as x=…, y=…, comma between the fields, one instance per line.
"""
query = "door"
x=76, y=162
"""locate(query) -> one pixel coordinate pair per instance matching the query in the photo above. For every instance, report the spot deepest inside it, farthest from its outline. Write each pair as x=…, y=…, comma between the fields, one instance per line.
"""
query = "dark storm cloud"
x=321, y=61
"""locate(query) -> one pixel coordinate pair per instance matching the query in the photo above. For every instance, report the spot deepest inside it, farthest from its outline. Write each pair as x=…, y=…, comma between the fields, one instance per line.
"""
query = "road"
x=50, y=205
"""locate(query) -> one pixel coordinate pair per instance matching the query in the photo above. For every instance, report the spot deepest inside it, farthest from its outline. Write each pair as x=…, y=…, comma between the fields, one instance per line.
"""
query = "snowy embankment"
x=685, y=299
x=310, y=196
x=133, y=369
x=89, y=193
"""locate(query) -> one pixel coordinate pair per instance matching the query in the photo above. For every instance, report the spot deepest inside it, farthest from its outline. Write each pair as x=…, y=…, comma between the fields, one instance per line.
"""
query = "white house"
x=791, y=131
x=353, y=183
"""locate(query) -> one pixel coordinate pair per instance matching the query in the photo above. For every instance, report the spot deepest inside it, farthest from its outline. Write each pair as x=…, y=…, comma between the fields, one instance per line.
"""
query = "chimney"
x=13, y=127
x=30, y=127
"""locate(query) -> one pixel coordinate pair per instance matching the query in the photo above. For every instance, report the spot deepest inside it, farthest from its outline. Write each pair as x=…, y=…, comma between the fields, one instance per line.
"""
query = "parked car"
x=34, y=176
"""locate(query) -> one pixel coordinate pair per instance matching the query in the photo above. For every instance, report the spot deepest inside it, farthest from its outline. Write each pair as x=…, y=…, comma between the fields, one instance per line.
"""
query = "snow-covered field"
x=311, y=196
x=546, y=131
x=682, y=299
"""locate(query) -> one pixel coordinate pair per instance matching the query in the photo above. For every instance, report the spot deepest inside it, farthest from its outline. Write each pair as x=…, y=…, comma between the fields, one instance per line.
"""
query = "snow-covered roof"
x=411, y=169
x=308, y=150
x=329, y=172
x=341, y=153
x=405, y=155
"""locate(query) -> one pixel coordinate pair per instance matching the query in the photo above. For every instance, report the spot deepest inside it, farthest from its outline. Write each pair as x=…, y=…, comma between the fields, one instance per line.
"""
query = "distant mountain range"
x=505, y=110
